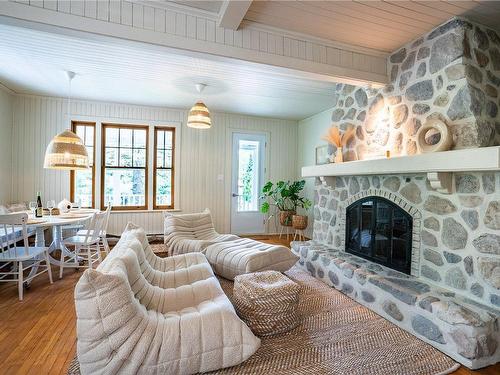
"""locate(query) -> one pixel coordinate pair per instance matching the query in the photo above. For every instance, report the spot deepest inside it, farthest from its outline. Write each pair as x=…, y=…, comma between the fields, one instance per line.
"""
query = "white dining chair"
x=85, y=247
x=20, y=258
x=103, y=232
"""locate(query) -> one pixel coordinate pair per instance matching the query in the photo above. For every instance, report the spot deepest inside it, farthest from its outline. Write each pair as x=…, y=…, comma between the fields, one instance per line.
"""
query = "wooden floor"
x=37, y=336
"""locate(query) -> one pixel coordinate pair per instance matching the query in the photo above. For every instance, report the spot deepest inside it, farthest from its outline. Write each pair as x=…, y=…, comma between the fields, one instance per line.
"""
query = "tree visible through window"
x=248, y=176
x=163, y=174
x=247, y=181
x=82, y=181
x=124, y=166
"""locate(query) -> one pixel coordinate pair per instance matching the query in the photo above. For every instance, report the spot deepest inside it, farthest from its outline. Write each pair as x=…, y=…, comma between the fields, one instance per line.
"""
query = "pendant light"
x=199, y=116
x=67, y=150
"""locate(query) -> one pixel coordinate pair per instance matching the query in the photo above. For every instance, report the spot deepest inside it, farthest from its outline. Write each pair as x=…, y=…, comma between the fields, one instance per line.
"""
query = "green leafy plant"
x=247, y=181
x=284, y=195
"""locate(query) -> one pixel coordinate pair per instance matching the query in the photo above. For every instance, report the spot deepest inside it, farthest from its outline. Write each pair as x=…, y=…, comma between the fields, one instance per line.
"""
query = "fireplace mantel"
x=438, y=166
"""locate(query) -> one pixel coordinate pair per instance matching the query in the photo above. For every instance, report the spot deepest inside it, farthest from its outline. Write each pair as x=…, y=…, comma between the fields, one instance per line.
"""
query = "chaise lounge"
x=229, y=255
x=191, y=233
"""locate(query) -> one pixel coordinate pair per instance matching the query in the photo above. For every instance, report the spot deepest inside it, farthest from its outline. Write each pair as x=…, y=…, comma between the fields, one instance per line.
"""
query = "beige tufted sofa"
x=137, y=313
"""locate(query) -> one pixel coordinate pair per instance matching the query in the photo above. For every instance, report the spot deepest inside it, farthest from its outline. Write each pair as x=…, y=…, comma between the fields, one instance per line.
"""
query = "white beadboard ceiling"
x=34, y=62
x=380, y=25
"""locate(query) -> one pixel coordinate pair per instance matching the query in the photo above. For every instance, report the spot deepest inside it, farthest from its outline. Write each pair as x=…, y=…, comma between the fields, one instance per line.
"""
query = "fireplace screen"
x=380, y=231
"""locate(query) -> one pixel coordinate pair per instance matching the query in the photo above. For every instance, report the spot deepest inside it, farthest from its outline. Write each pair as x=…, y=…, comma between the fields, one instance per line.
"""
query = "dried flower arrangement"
x=334, y=137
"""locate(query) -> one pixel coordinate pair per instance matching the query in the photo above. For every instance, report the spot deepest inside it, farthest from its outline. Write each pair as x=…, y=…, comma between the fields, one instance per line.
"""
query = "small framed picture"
x=322, y=155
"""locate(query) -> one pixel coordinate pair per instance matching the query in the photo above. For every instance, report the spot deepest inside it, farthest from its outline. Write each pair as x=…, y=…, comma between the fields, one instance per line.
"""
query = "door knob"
x=235, y=195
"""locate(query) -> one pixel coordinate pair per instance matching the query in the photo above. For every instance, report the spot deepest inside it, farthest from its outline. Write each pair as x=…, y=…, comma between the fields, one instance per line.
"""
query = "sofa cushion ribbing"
x=244, y=255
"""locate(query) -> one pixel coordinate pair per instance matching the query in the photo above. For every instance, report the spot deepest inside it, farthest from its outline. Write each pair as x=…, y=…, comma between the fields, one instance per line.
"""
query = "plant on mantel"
x=286, y=197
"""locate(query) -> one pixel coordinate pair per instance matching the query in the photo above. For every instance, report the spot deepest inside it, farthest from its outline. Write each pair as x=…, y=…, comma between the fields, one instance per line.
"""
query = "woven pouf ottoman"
x=267, y=301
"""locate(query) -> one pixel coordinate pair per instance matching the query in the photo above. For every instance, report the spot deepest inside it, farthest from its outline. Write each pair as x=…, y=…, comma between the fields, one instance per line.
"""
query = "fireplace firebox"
x=380, y=231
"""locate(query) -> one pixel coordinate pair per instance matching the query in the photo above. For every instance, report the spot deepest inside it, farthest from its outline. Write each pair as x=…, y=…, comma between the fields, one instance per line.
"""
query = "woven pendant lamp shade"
x=66, y=151
x=199, y=117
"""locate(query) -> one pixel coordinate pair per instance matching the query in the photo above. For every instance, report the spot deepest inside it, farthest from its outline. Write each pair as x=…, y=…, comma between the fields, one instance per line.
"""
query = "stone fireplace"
x=443, y=285
x=455, y=237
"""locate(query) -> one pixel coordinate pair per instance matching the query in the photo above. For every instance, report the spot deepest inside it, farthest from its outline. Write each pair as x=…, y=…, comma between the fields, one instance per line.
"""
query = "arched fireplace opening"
x=380, y=231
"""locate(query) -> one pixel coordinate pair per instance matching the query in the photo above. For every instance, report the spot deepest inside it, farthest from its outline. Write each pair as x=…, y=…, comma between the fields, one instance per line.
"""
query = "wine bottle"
x=39, y=208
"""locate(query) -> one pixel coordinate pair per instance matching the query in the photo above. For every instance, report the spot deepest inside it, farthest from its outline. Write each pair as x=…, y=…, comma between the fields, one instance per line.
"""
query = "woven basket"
x=267, y=301
x=299, y=222
x=286, y=218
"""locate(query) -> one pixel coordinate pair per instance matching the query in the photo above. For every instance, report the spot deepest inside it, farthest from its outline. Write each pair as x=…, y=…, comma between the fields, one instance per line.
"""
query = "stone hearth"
x=460, y=327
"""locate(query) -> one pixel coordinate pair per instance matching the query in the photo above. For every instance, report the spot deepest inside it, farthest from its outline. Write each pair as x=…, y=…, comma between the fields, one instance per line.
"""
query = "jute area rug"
x=336, y=336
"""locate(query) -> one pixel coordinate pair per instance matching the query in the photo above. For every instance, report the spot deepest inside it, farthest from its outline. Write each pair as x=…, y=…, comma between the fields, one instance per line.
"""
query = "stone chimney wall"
x=451, y=73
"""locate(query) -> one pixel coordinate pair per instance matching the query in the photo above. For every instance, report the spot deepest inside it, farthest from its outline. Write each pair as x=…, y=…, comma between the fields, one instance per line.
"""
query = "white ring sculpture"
x=444, y=143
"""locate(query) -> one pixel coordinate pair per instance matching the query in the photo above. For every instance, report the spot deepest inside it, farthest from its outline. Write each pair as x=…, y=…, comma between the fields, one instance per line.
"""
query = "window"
x=163, y=176
x=124, y=167
x=82, y=182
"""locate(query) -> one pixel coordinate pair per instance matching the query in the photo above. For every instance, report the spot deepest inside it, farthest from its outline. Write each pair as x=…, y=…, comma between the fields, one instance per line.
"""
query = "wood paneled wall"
x=6, y=101
x=204, y=155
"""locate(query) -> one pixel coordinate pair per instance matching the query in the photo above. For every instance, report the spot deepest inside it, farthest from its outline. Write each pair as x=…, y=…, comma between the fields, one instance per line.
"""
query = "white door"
x=248, y=167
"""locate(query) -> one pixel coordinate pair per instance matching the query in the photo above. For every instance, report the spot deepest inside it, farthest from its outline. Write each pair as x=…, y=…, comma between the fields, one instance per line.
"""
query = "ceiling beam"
x=232, y=13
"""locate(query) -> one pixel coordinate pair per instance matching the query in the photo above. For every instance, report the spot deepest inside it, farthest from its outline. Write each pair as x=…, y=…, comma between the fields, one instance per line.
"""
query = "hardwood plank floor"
x=38, y=335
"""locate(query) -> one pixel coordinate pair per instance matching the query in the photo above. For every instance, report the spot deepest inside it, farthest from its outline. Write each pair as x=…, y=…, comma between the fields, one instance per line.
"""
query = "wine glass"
x=32, y=206
x=50, y=205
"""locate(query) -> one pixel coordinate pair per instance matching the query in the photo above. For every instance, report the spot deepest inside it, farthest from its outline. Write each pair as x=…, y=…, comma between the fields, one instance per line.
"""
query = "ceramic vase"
x=338, y=157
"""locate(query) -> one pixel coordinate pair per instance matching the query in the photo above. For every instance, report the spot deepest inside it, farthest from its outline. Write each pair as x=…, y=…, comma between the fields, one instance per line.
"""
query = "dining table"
x=56, y=223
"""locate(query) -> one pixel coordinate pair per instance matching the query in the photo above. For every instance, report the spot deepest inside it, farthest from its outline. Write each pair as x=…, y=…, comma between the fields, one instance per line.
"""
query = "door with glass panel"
x=248, y=167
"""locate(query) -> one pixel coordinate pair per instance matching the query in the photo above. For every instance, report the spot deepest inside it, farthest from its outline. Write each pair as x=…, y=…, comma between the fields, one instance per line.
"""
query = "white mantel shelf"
x=437, y=166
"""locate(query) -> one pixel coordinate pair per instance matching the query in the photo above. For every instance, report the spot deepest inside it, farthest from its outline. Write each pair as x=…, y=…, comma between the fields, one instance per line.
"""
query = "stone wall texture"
x=458, y=240
x=452, y=73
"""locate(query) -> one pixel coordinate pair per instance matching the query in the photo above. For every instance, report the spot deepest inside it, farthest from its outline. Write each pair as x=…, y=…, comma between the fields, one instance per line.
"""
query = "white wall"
x=204, y=154
x=6, y=100
x=309, y=137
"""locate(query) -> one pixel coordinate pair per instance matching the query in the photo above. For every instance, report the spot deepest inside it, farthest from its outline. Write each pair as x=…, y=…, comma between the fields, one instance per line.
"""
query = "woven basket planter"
x=286, y=218
x=267, y=302
x=299, y=222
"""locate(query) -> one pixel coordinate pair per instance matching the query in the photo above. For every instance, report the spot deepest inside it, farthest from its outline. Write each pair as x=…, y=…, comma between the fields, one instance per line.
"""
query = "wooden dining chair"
x=86, y=247
x=17, y=259
x=103, y=232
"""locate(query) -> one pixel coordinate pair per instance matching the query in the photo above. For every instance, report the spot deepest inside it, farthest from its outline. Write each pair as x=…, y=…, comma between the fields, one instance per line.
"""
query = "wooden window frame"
x=155, y=168
x=74, y=124
x=105, y=126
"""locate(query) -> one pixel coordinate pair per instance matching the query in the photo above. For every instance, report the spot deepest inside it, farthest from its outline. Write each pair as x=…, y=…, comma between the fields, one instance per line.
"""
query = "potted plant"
x=299, y=201
x=277, y=195
x=286, y=197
